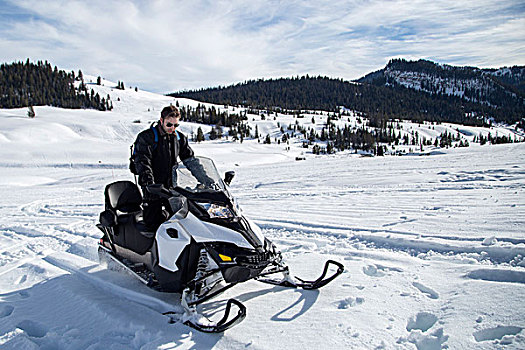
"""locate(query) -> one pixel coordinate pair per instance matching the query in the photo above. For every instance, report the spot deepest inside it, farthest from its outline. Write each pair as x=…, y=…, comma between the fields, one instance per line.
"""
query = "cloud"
x=165, y=46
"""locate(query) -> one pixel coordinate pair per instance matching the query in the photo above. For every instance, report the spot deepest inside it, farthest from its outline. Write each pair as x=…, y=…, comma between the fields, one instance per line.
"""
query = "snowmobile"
x=205, y=246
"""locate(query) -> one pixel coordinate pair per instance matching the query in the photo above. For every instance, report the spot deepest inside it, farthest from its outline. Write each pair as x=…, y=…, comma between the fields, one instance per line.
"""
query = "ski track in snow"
x=433, y=249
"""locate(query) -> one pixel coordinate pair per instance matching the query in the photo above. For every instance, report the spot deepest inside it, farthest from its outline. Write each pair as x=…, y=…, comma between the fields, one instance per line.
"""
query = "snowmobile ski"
x=287, y=281
x=223, y=324
x=198, y=321
x=195, y=320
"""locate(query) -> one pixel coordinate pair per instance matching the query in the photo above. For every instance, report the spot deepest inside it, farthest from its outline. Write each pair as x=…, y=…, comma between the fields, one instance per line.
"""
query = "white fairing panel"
x=208, y=232
x=170, y=248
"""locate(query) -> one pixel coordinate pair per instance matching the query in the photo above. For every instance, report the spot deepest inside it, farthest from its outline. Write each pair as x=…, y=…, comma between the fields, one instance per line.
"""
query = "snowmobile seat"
x=124, y=200
x=123, y=197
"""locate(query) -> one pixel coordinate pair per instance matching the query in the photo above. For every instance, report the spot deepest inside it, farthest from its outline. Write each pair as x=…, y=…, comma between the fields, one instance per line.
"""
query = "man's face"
x=170, y=123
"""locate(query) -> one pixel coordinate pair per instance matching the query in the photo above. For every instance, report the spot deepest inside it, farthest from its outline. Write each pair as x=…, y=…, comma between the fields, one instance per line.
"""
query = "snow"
x=432, y=246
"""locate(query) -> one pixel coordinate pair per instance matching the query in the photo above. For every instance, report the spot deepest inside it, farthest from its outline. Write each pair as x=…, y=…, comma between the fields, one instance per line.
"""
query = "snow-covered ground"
x=433, y=246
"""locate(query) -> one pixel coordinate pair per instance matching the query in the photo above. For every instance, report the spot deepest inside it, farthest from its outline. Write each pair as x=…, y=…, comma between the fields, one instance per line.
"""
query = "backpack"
x=132, y=161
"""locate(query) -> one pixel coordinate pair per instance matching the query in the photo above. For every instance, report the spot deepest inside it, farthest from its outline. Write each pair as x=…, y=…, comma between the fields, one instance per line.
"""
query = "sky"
x=165, y=46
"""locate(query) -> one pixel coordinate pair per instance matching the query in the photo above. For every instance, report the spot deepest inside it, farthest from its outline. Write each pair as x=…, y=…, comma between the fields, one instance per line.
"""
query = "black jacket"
x=154, y=160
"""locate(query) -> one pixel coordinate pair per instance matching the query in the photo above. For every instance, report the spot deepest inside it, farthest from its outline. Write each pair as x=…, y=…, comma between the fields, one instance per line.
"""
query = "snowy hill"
x=433, y=246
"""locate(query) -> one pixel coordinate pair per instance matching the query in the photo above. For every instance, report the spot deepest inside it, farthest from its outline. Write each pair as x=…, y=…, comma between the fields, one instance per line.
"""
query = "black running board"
x=106, y=253
x=318, y=283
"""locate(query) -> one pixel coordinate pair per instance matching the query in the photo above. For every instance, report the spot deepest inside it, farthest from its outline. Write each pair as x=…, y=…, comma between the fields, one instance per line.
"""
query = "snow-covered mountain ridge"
x=495, y=87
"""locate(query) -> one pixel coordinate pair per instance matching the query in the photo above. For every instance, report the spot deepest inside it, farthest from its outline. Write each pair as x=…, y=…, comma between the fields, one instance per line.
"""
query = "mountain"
x=500, y=88
x=420, y=90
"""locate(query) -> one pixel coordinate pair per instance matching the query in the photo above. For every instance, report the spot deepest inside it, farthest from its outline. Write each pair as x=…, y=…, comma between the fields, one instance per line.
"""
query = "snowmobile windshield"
x=198, y=174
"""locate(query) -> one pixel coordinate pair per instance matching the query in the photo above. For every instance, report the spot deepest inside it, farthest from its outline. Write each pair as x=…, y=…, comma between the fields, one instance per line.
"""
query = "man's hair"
x=169, y=111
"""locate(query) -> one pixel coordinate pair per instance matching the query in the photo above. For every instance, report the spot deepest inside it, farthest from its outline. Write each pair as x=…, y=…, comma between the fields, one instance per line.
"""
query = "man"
x=156, y=152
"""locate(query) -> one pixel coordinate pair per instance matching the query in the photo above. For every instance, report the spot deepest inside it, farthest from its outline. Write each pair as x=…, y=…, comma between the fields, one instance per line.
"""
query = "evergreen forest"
x=380, y=103
x=37, y=84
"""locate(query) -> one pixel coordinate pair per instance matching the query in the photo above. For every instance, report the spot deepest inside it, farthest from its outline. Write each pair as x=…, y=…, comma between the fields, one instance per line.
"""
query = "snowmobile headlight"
x=217, y=211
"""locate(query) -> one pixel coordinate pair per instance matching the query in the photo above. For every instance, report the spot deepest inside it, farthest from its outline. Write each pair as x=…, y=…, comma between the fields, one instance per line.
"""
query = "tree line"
x=31, y=84
x=377, y=102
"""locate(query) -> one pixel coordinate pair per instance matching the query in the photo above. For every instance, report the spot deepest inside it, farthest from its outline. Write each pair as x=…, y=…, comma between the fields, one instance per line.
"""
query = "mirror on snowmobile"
x=179, y=206
x=108, y=218
x=228, y=177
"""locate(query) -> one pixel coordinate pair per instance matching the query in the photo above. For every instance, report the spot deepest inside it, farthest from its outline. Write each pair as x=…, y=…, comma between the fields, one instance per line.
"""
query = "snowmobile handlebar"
x=159, y=190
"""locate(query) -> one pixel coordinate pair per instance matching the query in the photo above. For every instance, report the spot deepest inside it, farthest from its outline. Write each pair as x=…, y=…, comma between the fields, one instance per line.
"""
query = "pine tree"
x=329, y=148
x=218, y=131
x=31, y=112
x=213, y=134
x=200, y=135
